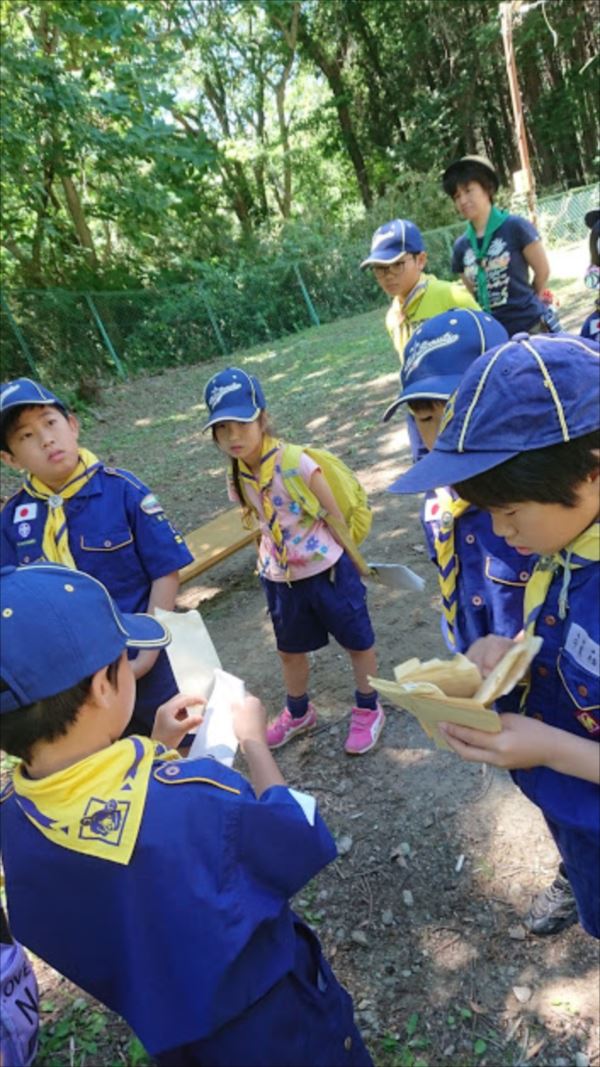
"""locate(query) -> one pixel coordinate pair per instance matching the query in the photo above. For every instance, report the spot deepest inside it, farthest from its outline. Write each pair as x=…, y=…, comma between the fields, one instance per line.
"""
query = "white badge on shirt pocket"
x=25, y=512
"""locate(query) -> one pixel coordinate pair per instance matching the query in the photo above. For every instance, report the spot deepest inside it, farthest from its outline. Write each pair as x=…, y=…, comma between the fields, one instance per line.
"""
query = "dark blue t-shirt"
x=512, y=300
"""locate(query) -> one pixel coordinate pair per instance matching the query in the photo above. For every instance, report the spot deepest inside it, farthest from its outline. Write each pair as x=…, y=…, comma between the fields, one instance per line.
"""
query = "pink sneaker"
x=365, y=728
x=284, y=727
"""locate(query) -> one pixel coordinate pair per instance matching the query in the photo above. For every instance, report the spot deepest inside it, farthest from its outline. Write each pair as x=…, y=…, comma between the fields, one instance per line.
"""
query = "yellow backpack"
x=349, y=494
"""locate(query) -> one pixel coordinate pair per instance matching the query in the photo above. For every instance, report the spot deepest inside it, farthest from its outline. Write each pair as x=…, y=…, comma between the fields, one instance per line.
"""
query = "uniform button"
x=542, y=671
x=470, y=539
x=550, y=620
x=524, y=576
x=476, y=601
x=107, y=544
x=172, y=771
x=25, y=559
x=582, y=690
x=348, y=1043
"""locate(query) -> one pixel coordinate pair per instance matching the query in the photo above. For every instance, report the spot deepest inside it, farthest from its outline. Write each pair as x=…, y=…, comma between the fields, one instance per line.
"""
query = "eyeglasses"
x=395, y=268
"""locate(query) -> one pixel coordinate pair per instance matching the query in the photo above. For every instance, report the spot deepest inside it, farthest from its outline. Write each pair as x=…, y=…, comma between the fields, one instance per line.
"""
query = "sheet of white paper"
x=307, y=803
x=192, y=655
x=215, y=736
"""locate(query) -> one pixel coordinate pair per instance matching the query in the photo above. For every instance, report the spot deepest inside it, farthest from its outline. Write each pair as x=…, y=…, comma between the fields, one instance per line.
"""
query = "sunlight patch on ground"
x=567, y=995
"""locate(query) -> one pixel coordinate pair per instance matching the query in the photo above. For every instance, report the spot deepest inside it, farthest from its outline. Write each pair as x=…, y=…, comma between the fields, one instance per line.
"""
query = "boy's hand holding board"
x=454, y=691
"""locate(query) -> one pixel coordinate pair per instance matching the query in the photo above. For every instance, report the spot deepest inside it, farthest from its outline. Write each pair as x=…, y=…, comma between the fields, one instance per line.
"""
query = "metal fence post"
x=107, y=341
x=213, y=321
x=314, y=318
x=18, y=334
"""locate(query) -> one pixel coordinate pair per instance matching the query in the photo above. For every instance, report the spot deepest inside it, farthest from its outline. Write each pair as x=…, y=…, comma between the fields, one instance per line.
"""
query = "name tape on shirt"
x=584, y=650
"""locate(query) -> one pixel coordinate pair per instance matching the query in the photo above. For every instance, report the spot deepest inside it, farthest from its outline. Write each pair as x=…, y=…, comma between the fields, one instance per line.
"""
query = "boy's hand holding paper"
x=453, y=690
x=197, y=669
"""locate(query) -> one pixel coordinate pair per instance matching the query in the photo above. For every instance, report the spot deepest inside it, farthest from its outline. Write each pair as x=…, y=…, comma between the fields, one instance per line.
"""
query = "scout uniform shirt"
x=118, y=532
x=491, y=576
x=565, y=693
x=160, y=886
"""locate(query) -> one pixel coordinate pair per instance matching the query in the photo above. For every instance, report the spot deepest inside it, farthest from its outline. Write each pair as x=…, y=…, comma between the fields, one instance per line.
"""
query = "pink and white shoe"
x=285, y=726
x=365, y=728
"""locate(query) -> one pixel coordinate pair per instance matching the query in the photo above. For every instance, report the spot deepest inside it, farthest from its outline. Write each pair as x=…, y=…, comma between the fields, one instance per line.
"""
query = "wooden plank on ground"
x=215, y=541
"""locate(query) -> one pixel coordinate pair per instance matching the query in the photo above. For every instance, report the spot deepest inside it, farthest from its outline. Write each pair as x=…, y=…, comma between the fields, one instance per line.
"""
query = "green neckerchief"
x=494, y=222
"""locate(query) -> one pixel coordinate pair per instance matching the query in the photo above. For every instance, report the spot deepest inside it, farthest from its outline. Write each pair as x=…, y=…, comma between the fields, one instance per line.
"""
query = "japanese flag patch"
x=150, y=505
x=25, y=512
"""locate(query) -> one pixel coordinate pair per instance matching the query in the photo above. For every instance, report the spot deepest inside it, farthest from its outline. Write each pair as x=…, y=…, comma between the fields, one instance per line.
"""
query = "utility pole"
x=507, y=8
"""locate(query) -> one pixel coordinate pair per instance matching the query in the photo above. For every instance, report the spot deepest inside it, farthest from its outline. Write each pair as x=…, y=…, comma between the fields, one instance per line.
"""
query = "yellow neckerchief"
x=94, y=806
x=268, y=457
x=452, y=509
x=55, y=544
x=583, y=550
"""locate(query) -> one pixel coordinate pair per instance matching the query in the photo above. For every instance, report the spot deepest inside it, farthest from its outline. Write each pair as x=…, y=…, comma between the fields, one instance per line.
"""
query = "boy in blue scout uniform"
x=520, y=437
x=164, y=882
x=73, y=509
x=482, y=580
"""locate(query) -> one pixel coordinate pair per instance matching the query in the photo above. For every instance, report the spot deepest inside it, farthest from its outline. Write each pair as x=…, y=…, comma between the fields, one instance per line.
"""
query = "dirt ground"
x=421, y=914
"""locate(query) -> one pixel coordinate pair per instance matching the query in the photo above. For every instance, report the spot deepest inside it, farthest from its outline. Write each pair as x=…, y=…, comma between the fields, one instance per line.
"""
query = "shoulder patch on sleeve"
x=150, y=505
x=178, y=772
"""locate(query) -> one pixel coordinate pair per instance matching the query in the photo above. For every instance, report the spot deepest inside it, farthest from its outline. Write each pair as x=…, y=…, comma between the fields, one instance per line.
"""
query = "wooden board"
x=215, y=541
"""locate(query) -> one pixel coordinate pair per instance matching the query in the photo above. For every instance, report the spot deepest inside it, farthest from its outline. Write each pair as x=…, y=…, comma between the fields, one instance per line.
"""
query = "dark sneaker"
x=553, y=909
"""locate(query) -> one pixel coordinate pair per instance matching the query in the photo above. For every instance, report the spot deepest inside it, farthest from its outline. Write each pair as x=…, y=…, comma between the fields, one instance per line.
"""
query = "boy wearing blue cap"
x=520, y=438
x=398, y=259
x=73, y=509
x=482, y=580
x=165, y=882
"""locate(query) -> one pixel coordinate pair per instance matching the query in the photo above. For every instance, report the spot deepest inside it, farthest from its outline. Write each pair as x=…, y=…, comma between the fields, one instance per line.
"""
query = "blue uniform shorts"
x=306, y=612
x=305, y=1019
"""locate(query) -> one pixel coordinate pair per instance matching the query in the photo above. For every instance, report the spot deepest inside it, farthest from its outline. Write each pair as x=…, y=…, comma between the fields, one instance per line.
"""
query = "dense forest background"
x=143, y=139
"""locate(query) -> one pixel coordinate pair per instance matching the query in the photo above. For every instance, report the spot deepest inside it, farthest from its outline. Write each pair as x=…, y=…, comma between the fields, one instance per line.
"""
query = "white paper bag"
x=192, y=655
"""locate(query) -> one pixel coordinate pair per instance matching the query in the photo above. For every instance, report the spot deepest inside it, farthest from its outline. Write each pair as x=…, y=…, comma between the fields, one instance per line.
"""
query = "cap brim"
x=382, y=261
x=232, y=415
x=427, y=389
x=143, y=631
x=441, y=468
x=592, y=217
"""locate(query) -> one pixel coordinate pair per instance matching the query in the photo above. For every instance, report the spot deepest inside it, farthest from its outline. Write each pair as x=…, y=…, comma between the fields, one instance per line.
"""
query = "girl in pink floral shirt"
x=312, y=587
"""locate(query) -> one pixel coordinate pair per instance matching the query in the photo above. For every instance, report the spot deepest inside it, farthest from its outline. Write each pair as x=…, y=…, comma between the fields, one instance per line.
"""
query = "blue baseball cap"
x=440, y=351
x=233, y=395
x=59, y=626
x=392, y=241
x=528, y=393
x=23, y=392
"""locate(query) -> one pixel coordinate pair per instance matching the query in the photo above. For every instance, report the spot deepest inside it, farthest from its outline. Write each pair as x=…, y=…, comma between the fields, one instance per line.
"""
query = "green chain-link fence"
x=63, y=336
